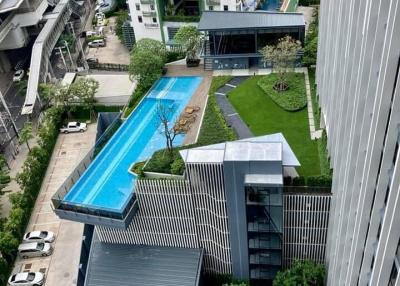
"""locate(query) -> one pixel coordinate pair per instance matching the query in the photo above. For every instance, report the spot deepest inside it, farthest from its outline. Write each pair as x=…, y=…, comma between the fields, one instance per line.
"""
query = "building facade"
x=358, y=87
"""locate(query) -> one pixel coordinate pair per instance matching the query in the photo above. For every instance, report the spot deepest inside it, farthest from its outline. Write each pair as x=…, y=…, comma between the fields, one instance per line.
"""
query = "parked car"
x=34, y=249
x=92, y=60
x=18, y=75
x=74, y=127
x=97, y=43
x=39, y=236
x=26, y=279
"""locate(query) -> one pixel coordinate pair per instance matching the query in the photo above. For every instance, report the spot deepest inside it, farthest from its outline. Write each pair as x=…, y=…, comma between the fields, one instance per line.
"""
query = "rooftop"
x=273, y=147
x=231, y=20
x=9, y=5
x=122, y=264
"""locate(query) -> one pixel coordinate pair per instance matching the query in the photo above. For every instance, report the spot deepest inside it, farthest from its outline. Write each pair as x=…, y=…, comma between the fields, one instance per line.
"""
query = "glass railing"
x=270, y=258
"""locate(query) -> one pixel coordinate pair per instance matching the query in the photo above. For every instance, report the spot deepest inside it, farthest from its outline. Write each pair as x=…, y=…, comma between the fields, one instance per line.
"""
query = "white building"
x=152, y=18
x=358, y=85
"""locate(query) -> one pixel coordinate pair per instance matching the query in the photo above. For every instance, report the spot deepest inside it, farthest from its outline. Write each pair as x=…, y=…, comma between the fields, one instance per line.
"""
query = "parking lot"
x=60, y=268
x=114, y=52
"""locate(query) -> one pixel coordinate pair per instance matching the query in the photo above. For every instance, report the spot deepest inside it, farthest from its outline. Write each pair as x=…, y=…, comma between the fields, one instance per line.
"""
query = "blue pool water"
x=270, y=5
x=107, y=184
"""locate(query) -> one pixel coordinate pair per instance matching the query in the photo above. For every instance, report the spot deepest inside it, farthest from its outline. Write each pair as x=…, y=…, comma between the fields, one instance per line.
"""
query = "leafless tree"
x=164, y=114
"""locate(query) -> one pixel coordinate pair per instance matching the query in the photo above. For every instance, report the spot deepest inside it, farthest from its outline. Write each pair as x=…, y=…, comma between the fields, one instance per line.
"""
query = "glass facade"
x=264, y=212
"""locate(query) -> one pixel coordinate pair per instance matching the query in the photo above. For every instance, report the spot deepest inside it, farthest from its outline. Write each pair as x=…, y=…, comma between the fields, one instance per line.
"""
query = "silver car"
x=39, y=236
x=26, y=279
x=34, y=249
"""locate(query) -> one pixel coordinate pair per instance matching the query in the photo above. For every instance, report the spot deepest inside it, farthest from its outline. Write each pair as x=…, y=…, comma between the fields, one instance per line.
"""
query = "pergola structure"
x=234, y=39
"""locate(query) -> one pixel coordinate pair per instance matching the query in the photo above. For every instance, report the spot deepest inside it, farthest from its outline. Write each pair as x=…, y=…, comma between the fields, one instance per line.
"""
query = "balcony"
x=151, y=25
x=262, y=227
x=147, y=2
x=262, y=273
x=151, y=14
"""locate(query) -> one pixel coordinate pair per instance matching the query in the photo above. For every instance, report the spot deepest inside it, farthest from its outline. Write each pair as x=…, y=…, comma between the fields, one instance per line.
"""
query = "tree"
x=302, y=273
x=26, y=134
x=154, y=46
x=164, y=114
x=8, y=244
x=146, y=67
x=84, y=91
x=282, y=56
x=190, y=39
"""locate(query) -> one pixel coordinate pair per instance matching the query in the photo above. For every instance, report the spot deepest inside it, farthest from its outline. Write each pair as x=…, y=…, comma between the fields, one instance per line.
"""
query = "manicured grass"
x=263, y=116
x=292, y=99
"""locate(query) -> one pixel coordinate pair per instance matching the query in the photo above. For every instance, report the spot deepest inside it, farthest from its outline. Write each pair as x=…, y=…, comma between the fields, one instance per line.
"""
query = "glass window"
x=226, y=8
x=154, y=20
x=152, y=7
x=393, y=275
x=140, y=19
x=137, y=7
x=211, y=8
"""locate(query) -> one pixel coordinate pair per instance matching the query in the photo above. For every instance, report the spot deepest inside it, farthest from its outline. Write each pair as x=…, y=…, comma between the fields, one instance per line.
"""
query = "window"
x=211, y=8
x=137, y=7
x=140, y=19
x=225, y=7
x=152, y=7
x=154, y=20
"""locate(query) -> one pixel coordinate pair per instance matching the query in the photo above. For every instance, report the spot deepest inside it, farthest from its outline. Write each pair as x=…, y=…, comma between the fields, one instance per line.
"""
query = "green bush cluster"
x=181, y=18
x=173, y=56
x=137, y=168
x=292, y=99
x=323, y=155
x=213, y=130
x=82, y=112
x=122, y=16
x=30, y=180
x=301, y=273
x=311, y=42
x=308, y=2
x=309, y=181
x=134, y=100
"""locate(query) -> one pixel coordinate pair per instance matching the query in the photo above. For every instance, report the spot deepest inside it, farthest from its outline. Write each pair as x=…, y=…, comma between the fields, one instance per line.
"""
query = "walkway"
x=231, y=116
x=61, y=267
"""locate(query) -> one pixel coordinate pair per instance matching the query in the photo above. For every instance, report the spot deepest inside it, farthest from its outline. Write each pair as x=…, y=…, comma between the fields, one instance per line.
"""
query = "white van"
x=97, y=43
x=34, y=249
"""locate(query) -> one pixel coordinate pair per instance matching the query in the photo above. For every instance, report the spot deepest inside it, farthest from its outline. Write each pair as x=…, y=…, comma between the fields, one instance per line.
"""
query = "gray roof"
x=138, y=265
x=229, y=20
x=8, y=5
x=273, y=147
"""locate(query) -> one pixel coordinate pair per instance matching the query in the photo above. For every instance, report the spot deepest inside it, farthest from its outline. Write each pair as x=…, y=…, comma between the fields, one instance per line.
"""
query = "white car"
x=18, y=75
x=26, y=279
x=39, y=236
x=74, y=127
x=34, y=249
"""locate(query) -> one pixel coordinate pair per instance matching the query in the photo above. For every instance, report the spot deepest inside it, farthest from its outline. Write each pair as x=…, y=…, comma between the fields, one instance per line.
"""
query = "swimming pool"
x=107, y=184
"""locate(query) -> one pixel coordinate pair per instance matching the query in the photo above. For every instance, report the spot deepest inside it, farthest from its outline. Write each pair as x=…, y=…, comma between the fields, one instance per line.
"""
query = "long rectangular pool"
x=107, y=184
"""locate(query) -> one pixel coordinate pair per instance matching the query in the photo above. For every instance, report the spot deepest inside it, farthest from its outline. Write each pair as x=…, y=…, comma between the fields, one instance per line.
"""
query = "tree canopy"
x=26, y=134
x=189, y=38
x=282, y=56
x=147, y=60
x=302, y=273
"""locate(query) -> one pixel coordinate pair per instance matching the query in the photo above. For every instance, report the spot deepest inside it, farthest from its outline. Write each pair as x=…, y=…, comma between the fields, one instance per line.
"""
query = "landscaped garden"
x=264, y=116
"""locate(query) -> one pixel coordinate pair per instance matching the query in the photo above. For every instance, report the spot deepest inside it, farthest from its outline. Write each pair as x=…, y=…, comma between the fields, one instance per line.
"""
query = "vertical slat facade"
x=305, y=227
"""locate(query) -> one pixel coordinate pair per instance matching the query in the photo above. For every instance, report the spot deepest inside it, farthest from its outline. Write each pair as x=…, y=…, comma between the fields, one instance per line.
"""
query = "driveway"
x=61, y=268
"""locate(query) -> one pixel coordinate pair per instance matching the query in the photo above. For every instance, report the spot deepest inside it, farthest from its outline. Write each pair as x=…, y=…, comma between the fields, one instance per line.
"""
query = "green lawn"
x=263, y=116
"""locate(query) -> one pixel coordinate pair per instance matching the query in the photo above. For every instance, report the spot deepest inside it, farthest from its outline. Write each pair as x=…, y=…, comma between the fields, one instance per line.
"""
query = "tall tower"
x=358, y=87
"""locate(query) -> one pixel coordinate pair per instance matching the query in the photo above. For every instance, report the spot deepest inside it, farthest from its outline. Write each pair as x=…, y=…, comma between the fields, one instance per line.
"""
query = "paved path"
x=61, y=267
x=231, y=116
x=315, y=134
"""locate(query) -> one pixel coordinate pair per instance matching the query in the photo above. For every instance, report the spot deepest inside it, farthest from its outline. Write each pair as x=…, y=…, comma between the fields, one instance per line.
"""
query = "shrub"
x=319, y=181
x=301, y=273
x=292, y=99
x=173, y=56
x=299, y=181
x=137, y=168
x=162, y=161
x=181, y=18
x=178, y=166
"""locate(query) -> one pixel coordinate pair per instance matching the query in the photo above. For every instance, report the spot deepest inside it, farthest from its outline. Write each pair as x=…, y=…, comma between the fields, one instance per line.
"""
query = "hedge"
x=134, y=100
x=181, y=18
x=30, y=180
x=309, y=181
x=292, y=99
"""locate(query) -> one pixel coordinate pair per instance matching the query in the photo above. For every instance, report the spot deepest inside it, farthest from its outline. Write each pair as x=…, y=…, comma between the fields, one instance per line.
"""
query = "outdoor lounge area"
x=235, y=38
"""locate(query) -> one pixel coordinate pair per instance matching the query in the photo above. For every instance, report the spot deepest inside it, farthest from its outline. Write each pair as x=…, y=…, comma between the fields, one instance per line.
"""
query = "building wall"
x=357, y=76
x=140, y=29
x=305, y=227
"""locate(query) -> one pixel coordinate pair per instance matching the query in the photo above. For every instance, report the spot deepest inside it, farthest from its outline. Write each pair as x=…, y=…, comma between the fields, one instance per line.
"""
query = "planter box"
x=154, y=175
x=192, y=63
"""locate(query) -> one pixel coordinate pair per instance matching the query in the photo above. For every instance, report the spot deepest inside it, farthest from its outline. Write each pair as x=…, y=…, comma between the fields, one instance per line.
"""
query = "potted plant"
x=190, y=39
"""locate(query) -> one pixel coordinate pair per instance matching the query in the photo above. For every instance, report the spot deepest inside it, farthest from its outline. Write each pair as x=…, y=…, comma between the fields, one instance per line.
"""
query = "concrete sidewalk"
x=61, y=268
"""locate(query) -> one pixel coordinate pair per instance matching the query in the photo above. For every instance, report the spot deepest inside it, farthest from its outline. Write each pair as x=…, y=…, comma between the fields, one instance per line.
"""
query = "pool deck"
x=198, y=99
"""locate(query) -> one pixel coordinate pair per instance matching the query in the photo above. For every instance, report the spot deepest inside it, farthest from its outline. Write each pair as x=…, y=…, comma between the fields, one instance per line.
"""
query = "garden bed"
x=213, y=130
x=292, y=99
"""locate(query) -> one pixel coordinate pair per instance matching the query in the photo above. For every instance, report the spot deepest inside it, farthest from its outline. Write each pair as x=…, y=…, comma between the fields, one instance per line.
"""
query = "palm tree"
x=26, y=134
